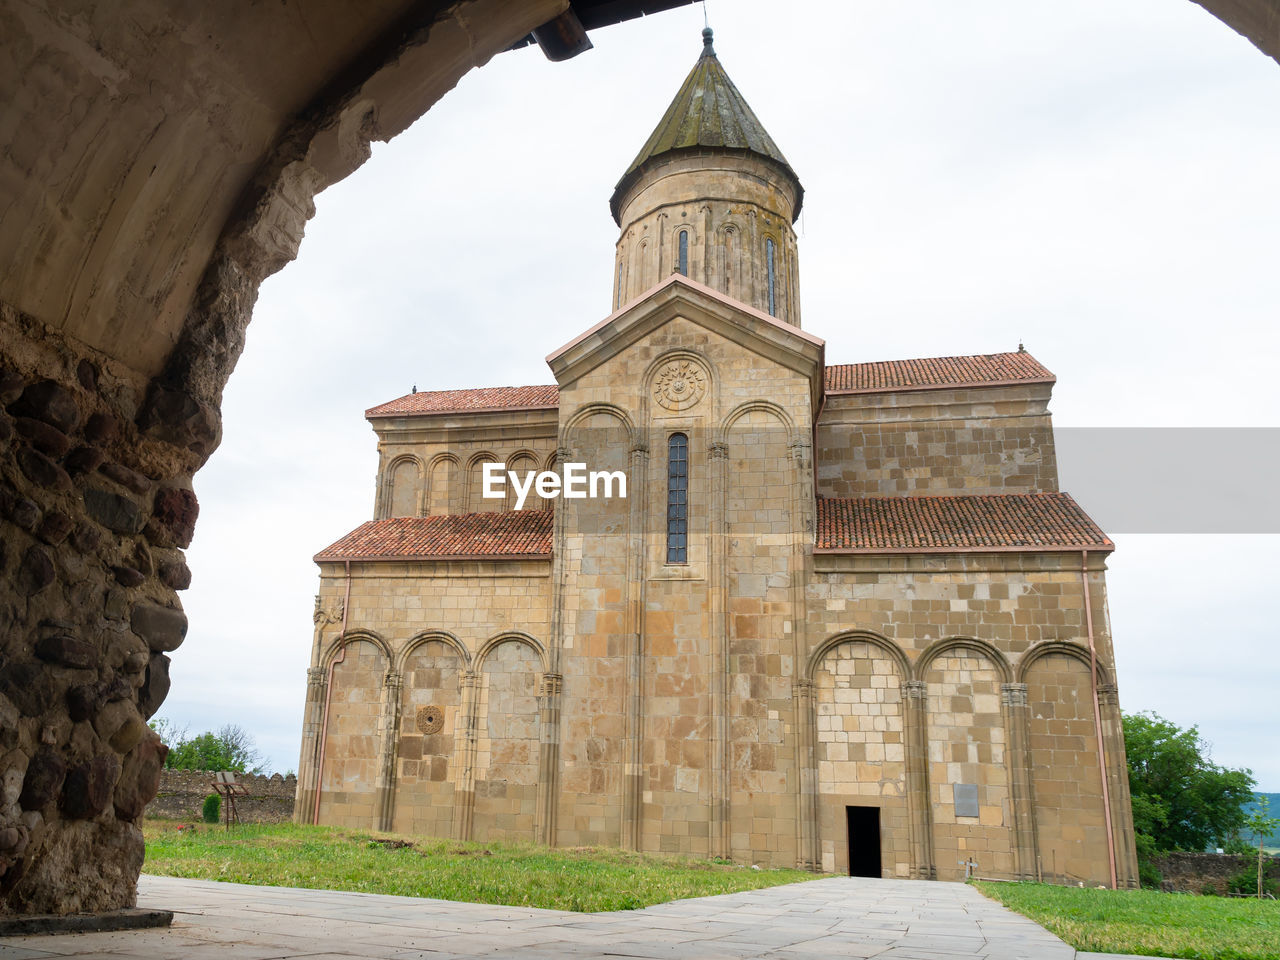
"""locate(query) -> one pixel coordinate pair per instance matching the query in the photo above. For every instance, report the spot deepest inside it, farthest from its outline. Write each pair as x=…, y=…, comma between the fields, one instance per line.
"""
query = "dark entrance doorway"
x=864, y=841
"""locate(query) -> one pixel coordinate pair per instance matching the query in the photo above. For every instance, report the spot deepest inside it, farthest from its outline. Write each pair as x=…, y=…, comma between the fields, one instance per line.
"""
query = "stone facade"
x=748, y=656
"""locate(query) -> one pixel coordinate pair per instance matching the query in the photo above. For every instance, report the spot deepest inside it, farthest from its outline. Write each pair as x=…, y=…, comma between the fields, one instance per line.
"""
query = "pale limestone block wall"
x=967, y=746
x=860, y=751
x=457, y=608
x=669, y=626
x=763, y=558
x=994, y=439
x=1068, y=789
x=506, y=785
x=406, y=488
x=444, y=486
x=596, y=638
x=1008, y=600
x=680, y=774
x=1017, y=606
x=351, y=746
x=427, y=770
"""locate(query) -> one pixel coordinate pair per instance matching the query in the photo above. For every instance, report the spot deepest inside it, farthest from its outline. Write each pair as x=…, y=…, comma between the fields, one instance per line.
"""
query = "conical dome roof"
x=708, y=112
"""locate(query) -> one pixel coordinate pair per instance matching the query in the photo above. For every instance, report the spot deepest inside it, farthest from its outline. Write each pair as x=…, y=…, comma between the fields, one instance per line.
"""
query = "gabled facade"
x=843, y=617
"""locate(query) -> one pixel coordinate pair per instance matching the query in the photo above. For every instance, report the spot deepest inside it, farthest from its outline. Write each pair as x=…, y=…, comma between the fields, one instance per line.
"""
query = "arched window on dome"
x=678, y=498
x=768, y=256
x=682, y=255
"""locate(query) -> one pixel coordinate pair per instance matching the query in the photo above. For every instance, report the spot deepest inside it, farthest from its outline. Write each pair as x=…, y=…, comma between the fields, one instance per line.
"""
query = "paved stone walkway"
x=834, y=917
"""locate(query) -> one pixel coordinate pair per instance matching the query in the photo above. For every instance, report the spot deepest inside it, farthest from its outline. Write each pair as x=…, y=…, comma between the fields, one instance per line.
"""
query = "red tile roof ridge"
x=937, y=373
x=470, y=400
x=952, y=523
x=506, y=535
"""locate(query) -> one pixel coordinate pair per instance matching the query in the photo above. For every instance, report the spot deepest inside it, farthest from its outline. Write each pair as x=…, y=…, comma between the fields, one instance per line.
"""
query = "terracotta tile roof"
x=519, y=533
x=475, y=400
x=936, y=373
x=1011, y=521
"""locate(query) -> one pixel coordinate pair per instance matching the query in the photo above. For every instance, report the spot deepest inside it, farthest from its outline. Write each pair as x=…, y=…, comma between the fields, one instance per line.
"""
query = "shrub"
x=1246, y=882
x=1149, y=875
x=212, y=808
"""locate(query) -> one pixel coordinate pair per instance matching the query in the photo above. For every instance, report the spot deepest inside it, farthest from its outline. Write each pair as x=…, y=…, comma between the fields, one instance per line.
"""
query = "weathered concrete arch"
x=598, y=409
x=443, y=458
x=390, y=492
x=890, y=649
x=443, y=636
x=1064, y=647
x=473, y=479
x=357, y=636
x=949, y=644
x=511, y=636
x=406, y=458
x=758, y=406
x=484, y=456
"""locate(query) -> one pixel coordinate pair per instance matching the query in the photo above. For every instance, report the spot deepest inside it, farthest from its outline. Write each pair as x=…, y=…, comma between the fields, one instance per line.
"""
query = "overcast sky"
x=1095, y=178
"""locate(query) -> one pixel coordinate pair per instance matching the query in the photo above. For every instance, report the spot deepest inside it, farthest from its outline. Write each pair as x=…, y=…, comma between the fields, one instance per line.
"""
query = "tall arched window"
x=768, y=255
x=678, y=498
x=682, y=257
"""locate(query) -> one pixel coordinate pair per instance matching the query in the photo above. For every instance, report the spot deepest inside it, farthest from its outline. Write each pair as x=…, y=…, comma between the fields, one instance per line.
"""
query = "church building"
x=709, y=594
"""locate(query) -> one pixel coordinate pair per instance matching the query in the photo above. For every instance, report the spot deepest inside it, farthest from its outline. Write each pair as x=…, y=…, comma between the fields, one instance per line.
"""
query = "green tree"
x=231, y=748
x=1261, y=825
x=1182, y=800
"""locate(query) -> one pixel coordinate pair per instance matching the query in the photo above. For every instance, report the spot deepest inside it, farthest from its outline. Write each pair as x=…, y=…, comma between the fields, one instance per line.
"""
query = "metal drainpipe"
x=328, y=695
x=1097, y=716
x=822, y=405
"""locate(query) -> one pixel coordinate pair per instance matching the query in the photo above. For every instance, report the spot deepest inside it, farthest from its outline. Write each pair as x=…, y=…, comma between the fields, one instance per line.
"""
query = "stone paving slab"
x=846, y=917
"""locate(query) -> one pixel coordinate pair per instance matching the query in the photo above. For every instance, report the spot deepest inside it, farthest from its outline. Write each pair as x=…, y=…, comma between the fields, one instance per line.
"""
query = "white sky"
x=1096, y=178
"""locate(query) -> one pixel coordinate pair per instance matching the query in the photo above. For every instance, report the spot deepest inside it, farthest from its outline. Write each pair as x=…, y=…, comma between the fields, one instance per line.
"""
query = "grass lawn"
x=584, y=879
x=1148, y=923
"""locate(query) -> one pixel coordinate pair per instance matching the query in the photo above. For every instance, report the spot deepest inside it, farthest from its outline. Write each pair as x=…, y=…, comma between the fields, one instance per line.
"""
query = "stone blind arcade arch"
x=220, y=191
x=426, y=737
x=902, y=745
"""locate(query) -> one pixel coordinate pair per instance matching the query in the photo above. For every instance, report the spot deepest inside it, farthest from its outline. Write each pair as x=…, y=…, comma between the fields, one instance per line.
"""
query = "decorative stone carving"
x=550, y=685
x=430, y=719
x=1014, y=694
x=801, y=452
x=679, y=384
x=327, y=613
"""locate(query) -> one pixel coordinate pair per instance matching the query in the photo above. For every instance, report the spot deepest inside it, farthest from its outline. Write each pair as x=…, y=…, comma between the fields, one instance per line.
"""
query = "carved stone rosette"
x=679, y=384
x=429, y=720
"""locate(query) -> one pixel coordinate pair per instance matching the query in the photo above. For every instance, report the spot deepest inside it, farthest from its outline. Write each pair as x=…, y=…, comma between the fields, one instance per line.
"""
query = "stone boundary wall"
x=1191, y=872
x=182, y=792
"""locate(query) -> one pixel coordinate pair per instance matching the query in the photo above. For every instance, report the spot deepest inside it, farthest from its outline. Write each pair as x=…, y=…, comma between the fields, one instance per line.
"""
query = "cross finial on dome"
x=707, y=49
